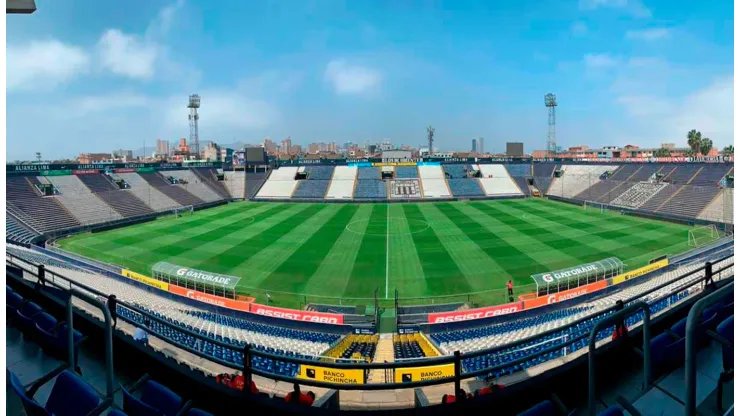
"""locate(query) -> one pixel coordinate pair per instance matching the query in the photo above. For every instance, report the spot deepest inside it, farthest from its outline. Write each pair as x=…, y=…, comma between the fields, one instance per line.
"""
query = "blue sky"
x=92, y=76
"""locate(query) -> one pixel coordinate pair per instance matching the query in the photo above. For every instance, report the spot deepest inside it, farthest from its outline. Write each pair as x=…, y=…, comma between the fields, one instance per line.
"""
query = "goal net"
x=182, y=211
x=594, y=205
x=702, y=235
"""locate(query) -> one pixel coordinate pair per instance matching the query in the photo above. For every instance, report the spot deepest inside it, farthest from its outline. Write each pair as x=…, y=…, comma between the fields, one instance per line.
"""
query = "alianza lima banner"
x=174, y=272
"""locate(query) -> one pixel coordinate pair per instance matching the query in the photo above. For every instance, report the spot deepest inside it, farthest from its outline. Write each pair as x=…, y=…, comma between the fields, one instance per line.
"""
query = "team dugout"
x=556, y=281
x=207, y=282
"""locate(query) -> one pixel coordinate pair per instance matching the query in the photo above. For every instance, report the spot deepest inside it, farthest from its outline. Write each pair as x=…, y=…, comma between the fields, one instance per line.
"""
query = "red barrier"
x=124, y=170
x=296, y=315
x=210, y=299
x=85, y=171
x=470, y=314
x=564, y=295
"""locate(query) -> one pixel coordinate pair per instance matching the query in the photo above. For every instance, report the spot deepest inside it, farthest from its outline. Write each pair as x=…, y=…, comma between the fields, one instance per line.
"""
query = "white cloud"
x=649, y=34
x=351, y=79
x=162, y=24
x=656, y=118
x=44, y=64
x=578, y=28
x=599, y=60
x=127, y=55
x=633, y=7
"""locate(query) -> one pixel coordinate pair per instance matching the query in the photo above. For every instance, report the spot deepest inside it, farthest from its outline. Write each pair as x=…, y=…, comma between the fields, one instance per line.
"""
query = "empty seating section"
x=312, y=189
x=16, y=231
x=435, y=188
x=455, y=171
x=711, y=174
x=367, y=172
x=42, y=214
x=409, y=346
x=17, y=187
x=576, y=179
x=370, y=189
x=126, y=203
x=343, y=183
x=521, y=182
x=255, y=180
x=174, y=192
x=404, y=189
x=150, y=195
x=235, y=182
x=680, y=174
x=465, y=187
x=544, y=170
x=660, y=198
x=496, y=181
x=603, y=191
x=638, y=194
x=89, y=208
x=208, y=177
x=690, y=201
x=98, y=183
x=624, y=172
x=68, y=184
x=280, y=184
x=721, y=209
x=406, y=172
x=519, y=169
x=323, y=173
x=354, y=347
x=194, y=185
x=645, y=172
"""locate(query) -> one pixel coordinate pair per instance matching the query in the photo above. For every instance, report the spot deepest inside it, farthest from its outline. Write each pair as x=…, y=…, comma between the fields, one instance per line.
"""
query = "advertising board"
x=564, y=295
x=640, y=271
x=432, y=372
x=331, y=375
x=470, y=314
x=210, y=299
x=296, y=315
x=145, y=279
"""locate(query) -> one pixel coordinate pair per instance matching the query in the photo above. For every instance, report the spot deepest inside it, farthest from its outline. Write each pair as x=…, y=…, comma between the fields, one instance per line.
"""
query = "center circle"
x=364, y=227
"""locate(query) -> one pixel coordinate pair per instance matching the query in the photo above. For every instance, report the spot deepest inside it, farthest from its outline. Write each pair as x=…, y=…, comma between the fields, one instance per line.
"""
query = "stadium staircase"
x=383, y=353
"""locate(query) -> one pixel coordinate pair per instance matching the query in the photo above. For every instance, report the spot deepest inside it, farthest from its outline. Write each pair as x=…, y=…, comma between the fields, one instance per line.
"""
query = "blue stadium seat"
x=545, y=408
x=727, y=331
x=406, y=172
x=12, y=302
x=612, y=411
x=197, y=412
x=26, y=313
x=70, y=396
x=156, y=399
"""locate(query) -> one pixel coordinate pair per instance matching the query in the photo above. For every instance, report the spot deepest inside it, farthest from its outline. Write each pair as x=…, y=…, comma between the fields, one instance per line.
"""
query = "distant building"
x=396, y=155
x=212, y=152
x=163, y=148
x=313, y=148
x=479, y=148
x=86, y=158
x=285, y=146
x=123, y=154
x=474, y=146
x=295, y=150
x=270, y=146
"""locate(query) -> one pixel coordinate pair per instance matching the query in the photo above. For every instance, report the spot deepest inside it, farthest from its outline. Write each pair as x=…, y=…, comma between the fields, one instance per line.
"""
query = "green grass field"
x=436, y=252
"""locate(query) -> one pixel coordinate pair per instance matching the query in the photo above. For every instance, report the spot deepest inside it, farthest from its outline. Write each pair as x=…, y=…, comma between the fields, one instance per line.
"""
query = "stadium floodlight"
x=551, y=102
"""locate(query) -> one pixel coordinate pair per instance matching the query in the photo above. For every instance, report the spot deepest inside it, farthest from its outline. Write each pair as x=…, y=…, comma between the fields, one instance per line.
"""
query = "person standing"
x=112, y=302
x=510, y=288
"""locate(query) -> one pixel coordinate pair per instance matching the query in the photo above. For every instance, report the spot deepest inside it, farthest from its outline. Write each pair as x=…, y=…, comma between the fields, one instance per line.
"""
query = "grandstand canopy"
x=580, y=275
x=173, y=272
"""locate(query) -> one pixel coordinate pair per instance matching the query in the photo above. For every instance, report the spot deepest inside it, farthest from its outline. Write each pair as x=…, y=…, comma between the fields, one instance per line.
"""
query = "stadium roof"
x=20, y=6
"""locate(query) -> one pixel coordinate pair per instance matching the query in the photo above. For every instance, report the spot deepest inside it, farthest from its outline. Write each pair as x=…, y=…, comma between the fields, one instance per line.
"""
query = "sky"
x=94, y=76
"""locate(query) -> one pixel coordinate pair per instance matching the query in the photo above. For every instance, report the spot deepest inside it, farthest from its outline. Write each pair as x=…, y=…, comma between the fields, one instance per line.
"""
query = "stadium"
x=428, y=285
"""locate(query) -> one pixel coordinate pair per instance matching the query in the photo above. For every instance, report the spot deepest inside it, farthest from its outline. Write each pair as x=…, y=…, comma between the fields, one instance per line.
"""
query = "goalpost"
x=597, y=205
x=182, y=211
x=703, y=235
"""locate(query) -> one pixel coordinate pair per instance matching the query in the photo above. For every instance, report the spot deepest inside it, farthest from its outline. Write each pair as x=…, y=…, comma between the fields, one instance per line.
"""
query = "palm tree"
x=706, y=146
x=728, y=150
x=662, y=152
x=694, y=140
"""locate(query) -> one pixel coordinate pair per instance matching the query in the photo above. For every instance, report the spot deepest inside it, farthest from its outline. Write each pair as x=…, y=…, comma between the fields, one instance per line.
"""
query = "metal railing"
x=456, y=359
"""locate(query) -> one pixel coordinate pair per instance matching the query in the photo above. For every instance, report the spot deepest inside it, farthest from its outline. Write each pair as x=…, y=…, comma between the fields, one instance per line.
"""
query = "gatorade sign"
x=434, y=372
x=296, y=315
x=470, y=314
x=331, y=375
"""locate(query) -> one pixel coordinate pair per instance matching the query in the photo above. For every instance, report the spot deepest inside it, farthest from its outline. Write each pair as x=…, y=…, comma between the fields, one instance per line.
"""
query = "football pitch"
x=432, y=252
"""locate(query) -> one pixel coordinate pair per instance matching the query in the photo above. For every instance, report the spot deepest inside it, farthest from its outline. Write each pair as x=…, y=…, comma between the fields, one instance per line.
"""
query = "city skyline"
x=119, y=75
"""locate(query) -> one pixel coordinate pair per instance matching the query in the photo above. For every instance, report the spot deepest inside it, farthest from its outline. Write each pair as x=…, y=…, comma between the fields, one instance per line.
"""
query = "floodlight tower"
x=430, y=137
x=551, y=103
x=194, y=105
